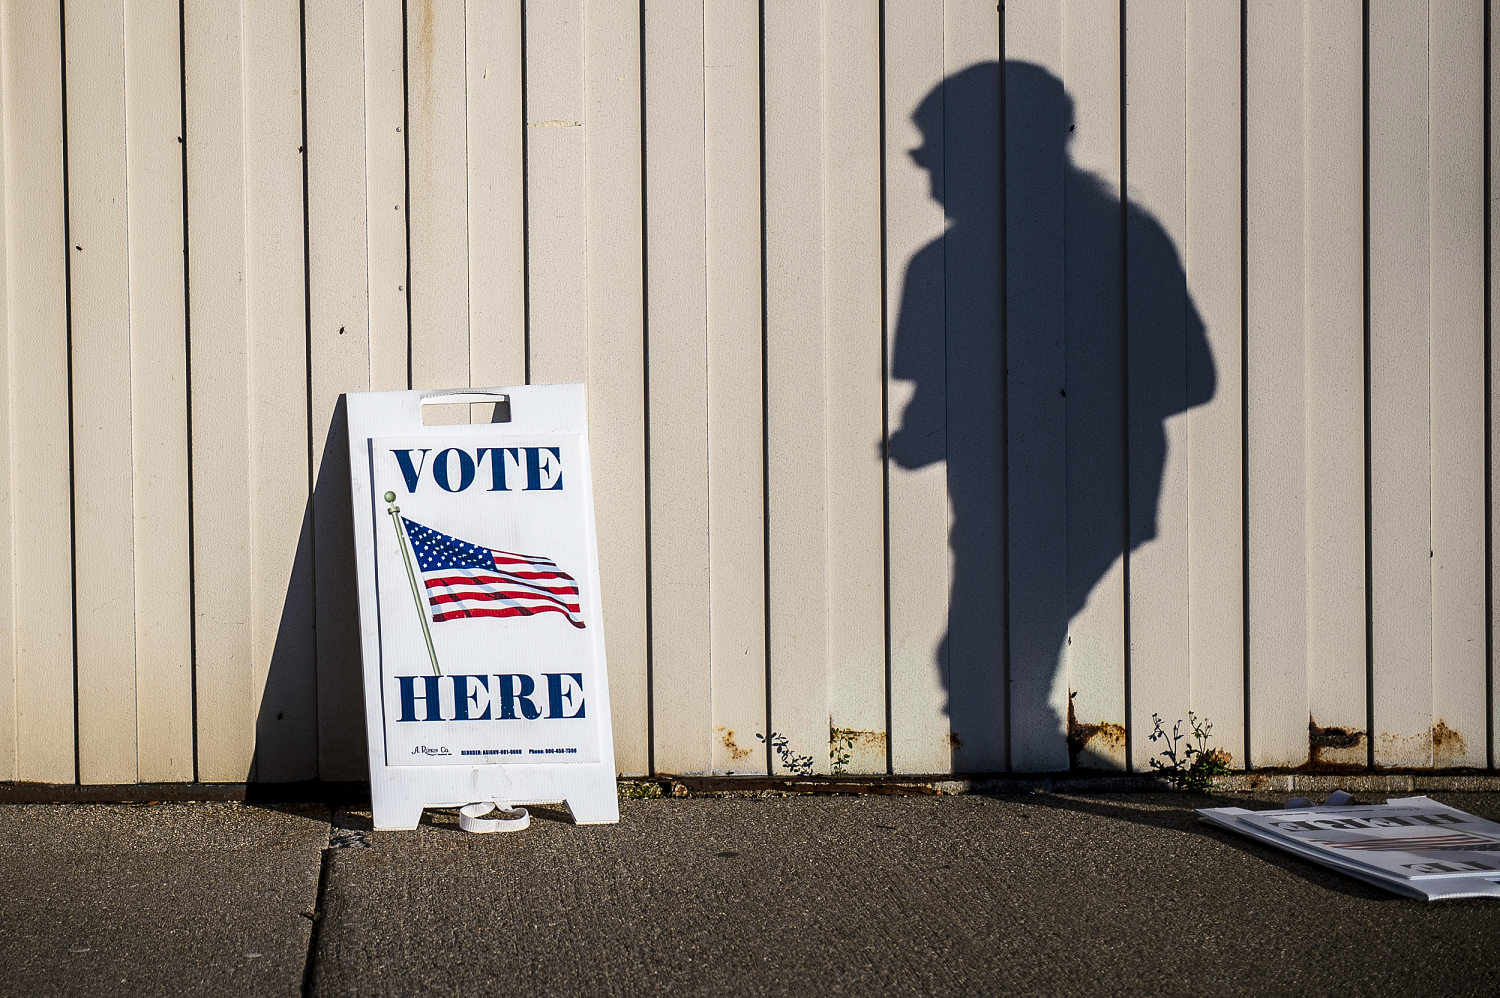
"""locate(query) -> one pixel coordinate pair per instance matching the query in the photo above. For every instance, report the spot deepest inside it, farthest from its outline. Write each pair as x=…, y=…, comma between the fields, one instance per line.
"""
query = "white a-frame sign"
x=480, y=623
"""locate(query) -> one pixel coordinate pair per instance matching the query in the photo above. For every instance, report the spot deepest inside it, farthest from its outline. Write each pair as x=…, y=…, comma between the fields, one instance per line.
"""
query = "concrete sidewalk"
x=1046, y=893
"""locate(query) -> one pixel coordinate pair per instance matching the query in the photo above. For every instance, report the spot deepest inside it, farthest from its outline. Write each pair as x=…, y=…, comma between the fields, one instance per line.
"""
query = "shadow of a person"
x=1068, y=477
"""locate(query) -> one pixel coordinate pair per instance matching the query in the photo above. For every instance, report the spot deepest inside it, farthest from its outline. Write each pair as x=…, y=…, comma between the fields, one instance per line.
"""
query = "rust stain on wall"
x=1400, y=750
x=1447, y=744
x=867, y=741
x=1333, y=748
x=426, y=107
x=426, y=44
x=735, y=752
x=1439, y=747
x=1104, y=737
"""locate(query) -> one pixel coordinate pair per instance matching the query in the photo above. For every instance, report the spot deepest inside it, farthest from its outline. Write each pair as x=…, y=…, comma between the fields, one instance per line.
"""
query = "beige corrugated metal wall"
x=900, y=467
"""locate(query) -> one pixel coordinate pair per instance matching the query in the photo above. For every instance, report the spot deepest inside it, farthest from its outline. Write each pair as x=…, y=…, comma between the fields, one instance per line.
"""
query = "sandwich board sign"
x=479, y=607
x=1411, y=845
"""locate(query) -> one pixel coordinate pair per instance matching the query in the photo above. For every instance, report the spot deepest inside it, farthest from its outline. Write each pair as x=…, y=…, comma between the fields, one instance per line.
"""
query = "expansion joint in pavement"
x=317, y=913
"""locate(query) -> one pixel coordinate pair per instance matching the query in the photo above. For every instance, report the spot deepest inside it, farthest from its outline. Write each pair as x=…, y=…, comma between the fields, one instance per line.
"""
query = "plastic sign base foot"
x=490, y=816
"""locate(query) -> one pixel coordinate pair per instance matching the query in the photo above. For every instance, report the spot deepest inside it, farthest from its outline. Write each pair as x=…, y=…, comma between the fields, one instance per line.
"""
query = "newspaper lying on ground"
x=1411, y=845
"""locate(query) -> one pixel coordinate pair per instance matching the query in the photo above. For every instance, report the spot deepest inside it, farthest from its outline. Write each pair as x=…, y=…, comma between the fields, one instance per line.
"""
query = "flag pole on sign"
x=403, y=541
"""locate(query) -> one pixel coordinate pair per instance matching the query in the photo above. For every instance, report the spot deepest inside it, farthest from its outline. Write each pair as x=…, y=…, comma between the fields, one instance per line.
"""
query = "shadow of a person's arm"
x=919, y=356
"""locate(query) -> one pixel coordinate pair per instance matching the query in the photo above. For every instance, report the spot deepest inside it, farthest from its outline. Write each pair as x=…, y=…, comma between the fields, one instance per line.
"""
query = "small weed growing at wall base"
x=1193, y=766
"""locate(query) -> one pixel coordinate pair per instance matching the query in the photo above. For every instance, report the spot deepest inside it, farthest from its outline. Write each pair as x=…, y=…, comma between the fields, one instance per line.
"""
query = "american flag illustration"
x=1411, y=843
x=471, y=580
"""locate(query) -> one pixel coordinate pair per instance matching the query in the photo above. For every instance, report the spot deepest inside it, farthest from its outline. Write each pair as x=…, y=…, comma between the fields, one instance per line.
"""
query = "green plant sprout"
x=1193, y=766
x=841, y=748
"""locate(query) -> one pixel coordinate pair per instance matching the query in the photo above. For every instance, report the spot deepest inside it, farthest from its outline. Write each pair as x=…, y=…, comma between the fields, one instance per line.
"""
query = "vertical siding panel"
x=8, y=704
x=1036, y=182
x=856, y=557
x=731, y=33
x=1277, y=404
x=678, y=379
x=617, y=432
x=796, y=378
x=557, y=228
x=1212, y=257
x=979, y=729
x=339, y=341
x=163, y=621
x=1400, y=444
x=497, y=213
x=437, y=157
x=39, y=508
x=385, y=185
x=1095, y=365
x=102, y=451
x=917, y=507
x=1155, y=153
x=36, y=301
x=1334, y=135
x=284, y=646
x=217, y=322
x=1456, y=317
x=1493, y=120
x=357, y=238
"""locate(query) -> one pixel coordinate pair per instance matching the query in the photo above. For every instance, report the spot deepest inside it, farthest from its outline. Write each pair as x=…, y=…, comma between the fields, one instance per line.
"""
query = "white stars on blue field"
x=437, y=551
